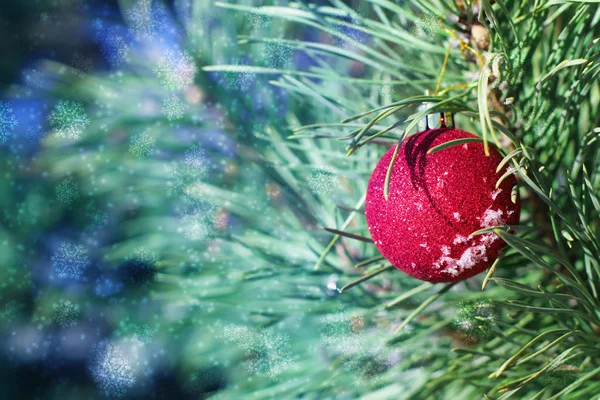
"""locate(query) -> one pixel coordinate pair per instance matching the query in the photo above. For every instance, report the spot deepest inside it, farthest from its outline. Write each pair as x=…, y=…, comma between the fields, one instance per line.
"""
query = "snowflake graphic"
x=195, y=158
x=426, y=25
x=195, y=224
x=145, y=18
x=268, y=353
x=34, y=134
x=343, y=335
x=112, y=370
x=113, y=43
x=27, y=214
x=176, y=70
x=144, y=333
x=259, y=130
x=323, y=181
x=12, y=311
x=141, y=145
x=34, y=78
x=99, y=219
x=241, y=79
x=83, y=65
x=70, y=261
x=67, y=191
x=183, y=174
x=278, y=54
x=69, y=119
x=173, y=108
x=8, y=122
x=386, y=89
x=259, y=20
x=66, y=313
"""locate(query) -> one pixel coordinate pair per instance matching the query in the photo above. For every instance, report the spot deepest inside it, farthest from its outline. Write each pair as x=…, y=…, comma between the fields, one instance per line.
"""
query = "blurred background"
x=130, y=179
x=76, y=324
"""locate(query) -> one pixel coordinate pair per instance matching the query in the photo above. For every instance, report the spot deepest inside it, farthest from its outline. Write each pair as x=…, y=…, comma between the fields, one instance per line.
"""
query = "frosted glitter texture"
x=435, y=202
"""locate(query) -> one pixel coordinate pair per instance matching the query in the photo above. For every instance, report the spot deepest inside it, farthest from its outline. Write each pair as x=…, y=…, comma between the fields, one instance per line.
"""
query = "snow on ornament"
x=435, y=201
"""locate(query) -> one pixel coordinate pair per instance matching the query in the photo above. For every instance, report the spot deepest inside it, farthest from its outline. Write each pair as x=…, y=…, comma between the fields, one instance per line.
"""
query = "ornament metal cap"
x=443, y=119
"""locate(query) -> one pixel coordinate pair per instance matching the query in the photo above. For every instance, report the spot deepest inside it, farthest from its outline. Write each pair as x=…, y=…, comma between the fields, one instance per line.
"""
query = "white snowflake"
x=66, y=313
x=144, y=333
x=267, y=353
x=141, y=145
x=173, y=108
x=145, y=18
x=67, y=191
x=176, y=70
x=113, y=43
x=70, y=261
x=116, y=49
x=259, y=20
x=195, y=224
x=183, y=174
x=98, y=218
x=278, y=54
x=195, y=157
x=242, y=79
x=426, y=25
x=69, y=119
x=323, y=181
x=112, y=370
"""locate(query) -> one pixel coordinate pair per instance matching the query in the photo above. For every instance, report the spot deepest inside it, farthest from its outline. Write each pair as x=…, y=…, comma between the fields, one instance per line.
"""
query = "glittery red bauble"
x=435, y=202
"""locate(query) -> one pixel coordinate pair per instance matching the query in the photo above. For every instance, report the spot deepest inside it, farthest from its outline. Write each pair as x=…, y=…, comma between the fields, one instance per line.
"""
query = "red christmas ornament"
x=435, y=201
